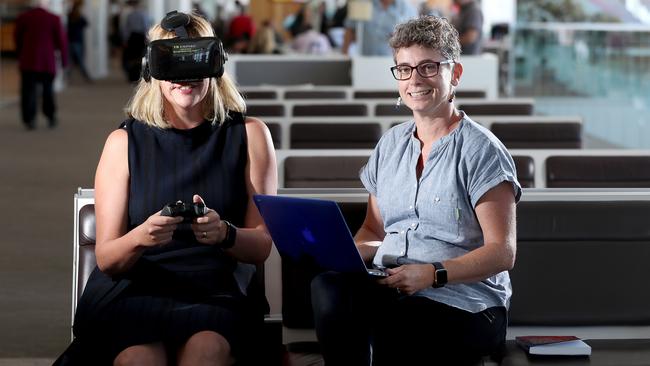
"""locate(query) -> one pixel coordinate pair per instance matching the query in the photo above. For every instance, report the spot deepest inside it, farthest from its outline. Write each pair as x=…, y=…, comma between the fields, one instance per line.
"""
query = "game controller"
x=188, y=211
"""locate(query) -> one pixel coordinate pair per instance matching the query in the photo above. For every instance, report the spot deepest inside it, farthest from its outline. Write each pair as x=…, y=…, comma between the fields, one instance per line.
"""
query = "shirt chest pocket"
x=441, y=215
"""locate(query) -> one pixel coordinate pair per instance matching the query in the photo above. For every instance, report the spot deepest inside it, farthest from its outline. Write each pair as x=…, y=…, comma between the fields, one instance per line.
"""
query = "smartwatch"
x=440, y=275
x=231, y=235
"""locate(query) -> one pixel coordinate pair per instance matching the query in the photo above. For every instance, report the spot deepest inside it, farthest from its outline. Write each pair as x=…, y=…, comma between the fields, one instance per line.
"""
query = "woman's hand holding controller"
x=208, y=229
x=158, y=229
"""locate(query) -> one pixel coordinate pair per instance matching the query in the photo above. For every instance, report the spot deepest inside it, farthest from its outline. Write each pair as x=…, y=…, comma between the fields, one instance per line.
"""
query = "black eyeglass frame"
x=393, y=69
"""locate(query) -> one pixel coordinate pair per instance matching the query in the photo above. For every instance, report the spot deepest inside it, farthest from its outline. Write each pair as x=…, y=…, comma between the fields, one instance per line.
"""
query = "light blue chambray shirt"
x=378, y=29
x=432, y=219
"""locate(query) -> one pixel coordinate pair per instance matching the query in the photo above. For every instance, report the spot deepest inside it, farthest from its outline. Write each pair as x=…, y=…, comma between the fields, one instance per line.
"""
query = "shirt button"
x=413, y=224
x=401, y=252
x=411, y=207
x=402, y=232
x=437, y=199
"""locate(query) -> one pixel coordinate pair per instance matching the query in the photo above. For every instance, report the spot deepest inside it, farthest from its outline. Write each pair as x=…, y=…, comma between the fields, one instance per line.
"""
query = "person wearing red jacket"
x=39, y=34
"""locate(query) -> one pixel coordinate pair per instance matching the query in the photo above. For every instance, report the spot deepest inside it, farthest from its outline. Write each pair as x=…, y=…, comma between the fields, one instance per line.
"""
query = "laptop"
x=314, y=228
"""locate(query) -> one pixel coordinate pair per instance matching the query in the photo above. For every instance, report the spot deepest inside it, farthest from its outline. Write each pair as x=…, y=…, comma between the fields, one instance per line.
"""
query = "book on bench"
x=554, y=345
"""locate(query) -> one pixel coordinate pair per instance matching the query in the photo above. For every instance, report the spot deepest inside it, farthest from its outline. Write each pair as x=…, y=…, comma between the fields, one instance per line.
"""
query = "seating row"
x=562, y=168
x=379, y=108
x=480, y=72
x=580, y=270
x=528, y=132
x=337, y=93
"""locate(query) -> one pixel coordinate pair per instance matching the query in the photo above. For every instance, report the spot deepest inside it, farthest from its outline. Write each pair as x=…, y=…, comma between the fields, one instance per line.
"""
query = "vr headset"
x=182, y=58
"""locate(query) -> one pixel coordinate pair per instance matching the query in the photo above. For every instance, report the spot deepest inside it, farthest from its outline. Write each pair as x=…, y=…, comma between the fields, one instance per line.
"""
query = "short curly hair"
x=427, y=31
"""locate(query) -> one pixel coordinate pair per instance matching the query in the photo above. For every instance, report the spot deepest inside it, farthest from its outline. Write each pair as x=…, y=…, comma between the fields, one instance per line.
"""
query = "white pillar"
x=156, y=9
x=56, y=7
x=96, y=37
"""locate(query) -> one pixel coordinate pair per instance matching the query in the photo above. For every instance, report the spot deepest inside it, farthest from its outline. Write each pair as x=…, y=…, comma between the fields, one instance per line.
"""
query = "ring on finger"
x=205, y=235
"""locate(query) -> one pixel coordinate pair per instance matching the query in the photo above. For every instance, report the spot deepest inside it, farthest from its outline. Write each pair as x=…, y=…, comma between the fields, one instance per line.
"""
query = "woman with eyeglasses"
x=440, y=219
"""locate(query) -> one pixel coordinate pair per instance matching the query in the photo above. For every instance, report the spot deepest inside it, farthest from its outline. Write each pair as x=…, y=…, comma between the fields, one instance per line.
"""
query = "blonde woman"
x=165, y=291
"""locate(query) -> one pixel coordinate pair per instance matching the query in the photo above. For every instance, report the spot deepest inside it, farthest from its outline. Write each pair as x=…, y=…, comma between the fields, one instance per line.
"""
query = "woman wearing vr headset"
x=165, y=291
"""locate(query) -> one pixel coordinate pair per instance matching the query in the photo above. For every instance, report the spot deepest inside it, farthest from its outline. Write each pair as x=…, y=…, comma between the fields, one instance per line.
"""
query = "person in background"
x=198, y=10
x=265, y=40
x=309, y=41
x=241, y=30
x=440, y=220
x=469, y=23
x=439, y=8
x=39, y=35
x=218, y=23
x=114, y=32
x=167, y=292
x=77, y=24
x=337, y=26
x=376, y=31
x=306, y=39
x=134, y=24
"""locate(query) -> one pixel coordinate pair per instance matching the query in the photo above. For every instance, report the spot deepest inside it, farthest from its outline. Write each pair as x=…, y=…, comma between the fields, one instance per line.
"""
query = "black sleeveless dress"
x=183, y=287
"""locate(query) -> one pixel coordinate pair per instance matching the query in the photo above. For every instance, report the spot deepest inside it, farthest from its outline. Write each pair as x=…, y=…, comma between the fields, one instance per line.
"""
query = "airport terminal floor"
x=41, y=170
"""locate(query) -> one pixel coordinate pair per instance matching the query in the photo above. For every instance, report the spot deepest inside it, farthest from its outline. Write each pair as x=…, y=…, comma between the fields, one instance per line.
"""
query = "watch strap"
x=231, y=235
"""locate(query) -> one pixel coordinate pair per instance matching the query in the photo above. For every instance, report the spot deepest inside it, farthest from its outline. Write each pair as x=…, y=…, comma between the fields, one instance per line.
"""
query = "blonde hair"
x=147, y=105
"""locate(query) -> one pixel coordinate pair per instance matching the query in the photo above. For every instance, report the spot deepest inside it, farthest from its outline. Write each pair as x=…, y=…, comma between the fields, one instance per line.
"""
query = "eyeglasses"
x=426, y=69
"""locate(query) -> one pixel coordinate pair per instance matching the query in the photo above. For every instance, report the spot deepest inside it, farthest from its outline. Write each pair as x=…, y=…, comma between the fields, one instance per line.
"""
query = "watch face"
x=441, y=276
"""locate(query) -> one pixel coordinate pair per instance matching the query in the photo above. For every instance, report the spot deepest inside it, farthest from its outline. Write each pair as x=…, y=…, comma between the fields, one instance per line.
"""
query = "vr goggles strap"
x=176, y=22
x=180, y=32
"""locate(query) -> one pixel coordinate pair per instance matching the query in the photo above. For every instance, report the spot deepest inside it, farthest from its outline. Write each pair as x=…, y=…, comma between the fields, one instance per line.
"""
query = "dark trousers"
x=77, y=54
x=28, y=98
x=358, y=321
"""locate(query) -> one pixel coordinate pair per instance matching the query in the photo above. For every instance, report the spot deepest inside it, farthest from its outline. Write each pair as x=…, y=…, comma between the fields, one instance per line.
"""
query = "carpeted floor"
x=40, y=171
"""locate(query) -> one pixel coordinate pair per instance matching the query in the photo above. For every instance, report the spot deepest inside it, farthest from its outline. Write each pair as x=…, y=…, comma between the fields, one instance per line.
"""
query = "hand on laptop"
x=409, y=278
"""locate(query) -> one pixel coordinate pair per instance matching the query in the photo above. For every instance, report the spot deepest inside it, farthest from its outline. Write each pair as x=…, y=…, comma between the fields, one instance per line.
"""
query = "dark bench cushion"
x=375, y=94
x=276, y=133
x=265, y=110
x=393, y=110
x=259, y=94
x=497, y=109
x=598, y=171
x=335, y=135
x=481, y=109
x=560, y=135
x=314, y=94
x=470, y=94
x=323, y=171
x=323, y=110
x=578, y=261
x=525, y=166
x=390, y=94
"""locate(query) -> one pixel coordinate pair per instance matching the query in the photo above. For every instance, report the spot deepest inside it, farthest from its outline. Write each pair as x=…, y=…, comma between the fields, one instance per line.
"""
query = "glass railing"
x=598, y=71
